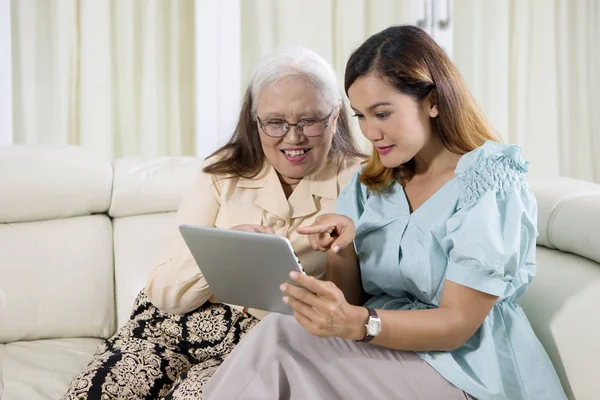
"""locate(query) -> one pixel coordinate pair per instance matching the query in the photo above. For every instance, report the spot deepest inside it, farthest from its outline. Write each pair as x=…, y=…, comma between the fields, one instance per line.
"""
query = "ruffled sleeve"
x=490, y=240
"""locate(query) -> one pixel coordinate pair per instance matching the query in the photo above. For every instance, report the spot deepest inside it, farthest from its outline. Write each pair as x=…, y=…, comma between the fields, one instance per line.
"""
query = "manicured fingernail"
x=286, y=299
x=336, y=248
x=293, y=274
x=282, y=288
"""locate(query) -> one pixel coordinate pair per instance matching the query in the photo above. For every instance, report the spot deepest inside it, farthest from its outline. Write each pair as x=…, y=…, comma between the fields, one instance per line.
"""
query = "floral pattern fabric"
x=157, y=355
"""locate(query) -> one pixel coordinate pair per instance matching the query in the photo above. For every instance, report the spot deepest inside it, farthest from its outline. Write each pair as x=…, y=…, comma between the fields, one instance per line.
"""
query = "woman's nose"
x=371, y=131
x=294, y=135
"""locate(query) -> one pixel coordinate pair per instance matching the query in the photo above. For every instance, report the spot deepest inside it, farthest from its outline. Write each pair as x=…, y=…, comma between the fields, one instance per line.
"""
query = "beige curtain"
x=533, y=66
x=333, y=28
x=114, y=76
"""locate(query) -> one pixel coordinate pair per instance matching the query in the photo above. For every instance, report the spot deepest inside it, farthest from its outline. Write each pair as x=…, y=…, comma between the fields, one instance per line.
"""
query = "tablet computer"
x=243, y=268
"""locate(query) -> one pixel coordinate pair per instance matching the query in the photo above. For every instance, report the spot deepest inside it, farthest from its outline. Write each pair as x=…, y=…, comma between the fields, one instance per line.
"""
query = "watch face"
x=373, y=327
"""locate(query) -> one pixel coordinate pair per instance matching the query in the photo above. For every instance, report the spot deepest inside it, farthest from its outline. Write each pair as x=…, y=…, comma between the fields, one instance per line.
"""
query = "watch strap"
x=372, y=315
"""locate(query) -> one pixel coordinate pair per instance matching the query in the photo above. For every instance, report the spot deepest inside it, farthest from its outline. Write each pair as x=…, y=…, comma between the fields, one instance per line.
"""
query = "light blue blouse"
x=478, y=230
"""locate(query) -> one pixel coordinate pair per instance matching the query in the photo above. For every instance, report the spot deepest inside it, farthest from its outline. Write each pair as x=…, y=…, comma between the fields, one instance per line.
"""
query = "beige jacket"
x=177, y=284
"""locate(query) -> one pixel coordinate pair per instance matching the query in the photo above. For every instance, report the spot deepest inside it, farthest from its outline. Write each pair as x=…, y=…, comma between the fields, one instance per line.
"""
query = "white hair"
x=295, y=61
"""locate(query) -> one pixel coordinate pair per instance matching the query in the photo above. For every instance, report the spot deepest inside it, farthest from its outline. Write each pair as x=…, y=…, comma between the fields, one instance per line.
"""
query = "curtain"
x=529, y=63
x=533, y=67
x=117, y=76
x=114, y=76
x=333, y=28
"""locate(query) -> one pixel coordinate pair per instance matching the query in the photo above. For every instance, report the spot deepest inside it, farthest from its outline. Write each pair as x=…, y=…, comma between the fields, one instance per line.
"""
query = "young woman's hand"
x=321, y=308
x=329, y=231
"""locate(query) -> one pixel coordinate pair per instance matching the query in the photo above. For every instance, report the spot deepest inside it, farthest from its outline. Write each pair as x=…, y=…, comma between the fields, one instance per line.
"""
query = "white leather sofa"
x=79, y=237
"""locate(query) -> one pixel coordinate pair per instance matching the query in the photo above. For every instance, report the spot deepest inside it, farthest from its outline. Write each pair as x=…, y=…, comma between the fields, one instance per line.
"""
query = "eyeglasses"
x=308, y=127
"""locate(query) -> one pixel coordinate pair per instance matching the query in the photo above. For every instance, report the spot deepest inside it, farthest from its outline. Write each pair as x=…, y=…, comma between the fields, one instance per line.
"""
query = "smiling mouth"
x=295, y=153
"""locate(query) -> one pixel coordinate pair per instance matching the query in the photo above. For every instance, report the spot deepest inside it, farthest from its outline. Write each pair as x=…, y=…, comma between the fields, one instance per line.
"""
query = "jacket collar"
x=302, y=202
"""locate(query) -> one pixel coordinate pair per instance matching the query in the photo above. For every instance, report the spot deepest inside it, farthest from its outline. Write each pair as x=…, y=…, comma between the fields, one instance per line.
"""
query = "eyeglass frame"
x=299, y=128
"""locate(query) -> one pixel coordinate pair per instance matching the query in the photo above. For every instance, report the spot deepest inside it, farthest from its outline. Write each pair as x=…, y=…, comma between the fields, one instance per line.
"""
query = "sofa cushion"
x=559, y=200
x=575, y=226
x=43, y=369
x=43, y=182
x=57, y=279
x=151, y=186
x=561, y=305
x=138, y=241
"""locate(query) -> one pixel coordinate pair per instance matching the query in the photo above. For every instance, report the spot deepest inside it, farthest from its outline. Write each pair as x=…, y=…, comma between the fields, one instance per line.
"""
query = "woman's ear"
x=336, y=116
x=338, y=111
x=433, y=104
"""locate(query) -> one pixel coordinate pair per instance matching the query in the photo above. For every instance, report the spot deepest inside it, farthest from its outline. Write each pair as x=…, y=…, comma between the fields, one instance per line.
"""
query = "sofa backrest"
x=146, y=195
x=56, y=263
x=79, y=237
x=562, y=301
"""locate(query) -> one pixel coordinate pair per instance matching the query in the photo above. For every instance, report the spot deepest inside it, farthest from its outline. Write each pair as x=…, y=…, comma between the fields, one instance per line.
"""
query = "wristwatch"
x=373, y=326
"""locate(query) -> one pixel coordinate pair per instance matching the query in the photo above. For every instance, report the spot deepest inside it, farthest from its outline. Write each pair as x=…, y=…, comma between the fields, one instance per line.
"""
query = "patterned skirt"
x=157, y=355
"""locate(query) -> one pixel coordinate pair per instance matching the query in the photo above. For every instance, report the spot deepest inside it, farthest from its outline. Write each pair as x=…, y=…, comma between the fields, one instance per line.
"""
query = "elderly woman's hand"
x=329, y=231
x=321, y=308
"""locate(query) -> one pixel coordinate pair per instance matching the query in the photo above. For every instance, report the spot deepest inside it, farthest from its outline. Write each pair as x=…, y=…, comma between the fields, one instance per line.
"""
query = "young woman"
x=443, y=228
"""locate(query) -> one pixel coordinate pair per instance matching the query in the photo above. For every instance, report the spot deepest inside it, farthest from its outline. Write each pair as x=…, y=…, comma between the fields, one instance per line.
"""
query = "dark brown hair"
x=411, y=61
x=243, y=156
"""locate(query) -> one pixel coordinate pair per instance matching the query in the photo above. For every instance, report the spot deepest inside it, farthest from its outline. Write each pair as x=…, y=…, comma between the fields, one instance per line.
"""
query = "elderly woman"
x=291, y=153
x=424, y=304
